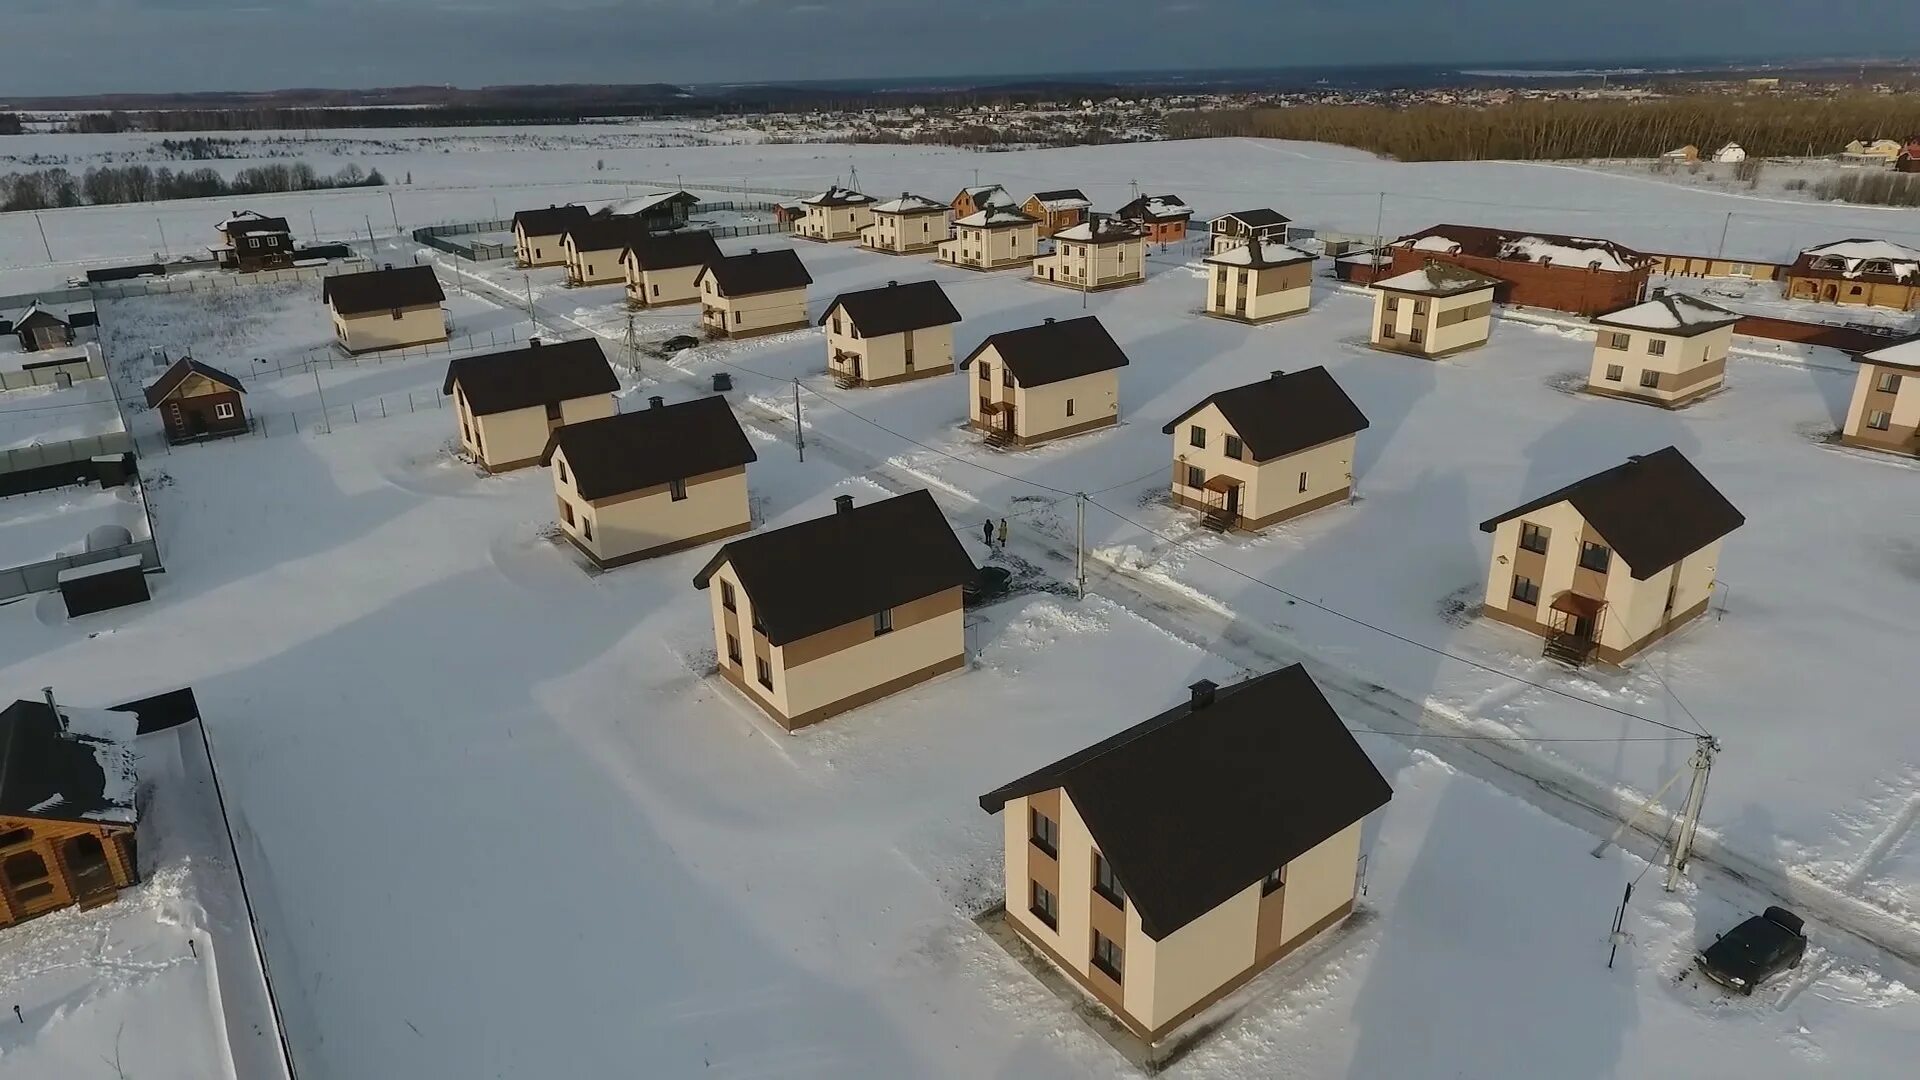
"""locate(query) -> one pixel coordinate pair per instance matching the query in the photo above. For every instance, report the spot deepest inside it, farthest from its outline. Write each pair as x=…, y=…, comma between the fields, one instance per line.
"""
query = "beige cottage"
x=908, y=225
x=997, y=238
x=1260, y=454
x=1885, y=411
x=1045, y=382
x=889, y=335
x=830, y=614
x=1165, y=867
x=596, y=249
x=385, y=309
x=1100, y=253
x=538, y=234
x=1669, y=351
x=761, y=292
x=1878, y=150
x=662, y=270
x=647, y=483
x=509, y=403
x=1435, y=311
x=1259, y=281
x=835, y=214
x=1606, y=566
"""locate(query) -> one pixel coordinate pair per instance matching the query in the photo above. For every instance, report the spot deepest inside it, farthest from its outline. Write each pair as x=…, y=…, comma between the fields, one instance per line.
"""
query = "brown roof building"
x=1102, y=252
x=250, y=241
x=389, y=308
x=663, y=270
x=1242, y=226
x=1061, y=208
x=1869, y=273
x=908, y=225
x=1266, y=452
x=761, y=292
x=538, y=234
x=1565, y=273
x=1045, y=382
x=997, y=238
x=1669, y=351
x=509, y=403
x=972, y=200
x=69, y=808
x=1162, y=219
x=198, y=401
x=1434, y=311
x=891, y=334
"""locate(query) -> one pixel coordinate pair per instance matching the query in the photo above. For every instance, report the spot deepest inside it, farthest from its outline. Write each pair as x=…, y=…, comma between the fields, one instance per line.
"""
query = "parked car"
x=1755, y=951
x=679, y=343
x=989, y=583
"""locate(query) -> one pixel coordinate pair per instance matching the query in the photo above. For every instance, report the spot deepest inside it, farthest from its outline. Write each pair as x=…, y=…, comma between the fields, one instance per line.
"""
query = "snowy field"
x=45, y=415
x=475, y=773
x=43, y=524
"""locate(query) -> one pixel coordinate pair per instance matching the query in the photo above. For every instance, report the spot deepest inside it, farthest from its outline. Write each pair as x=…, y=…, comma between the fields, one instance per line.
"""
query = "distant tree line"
x=965, y=135
x=48, y=188
x=1572, y=130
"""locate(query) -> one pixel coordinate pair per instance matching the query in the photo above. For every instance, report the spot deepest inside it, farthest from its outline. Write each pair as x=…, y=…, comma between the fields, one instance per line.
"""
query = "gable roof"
x=247, y=222
x=605, y=233
x=1904, y=354
x=1259, y=254
x=1676, y=314
x=1254, y=219
x=845, y=566
x=553, y=221
x=837, y=196
x=538, y=374
x=757, y=272
x=1100, y=229
x=1157, y=208
x=1054, y=351
x=1849, y=259
x=629, y=451
x=382, y=290
x=895, y=308
x=1064, y=199
x=985, y=195
x=1438, y=279
x=911, y=204
x=1285, y=413
x=640, y=206
x=1654, y=510
x=35, y=315
x=169, y=381
x=1509, y=245
x=666, y=251
x=84, y=773
x=996, y=217
x=1201, y=802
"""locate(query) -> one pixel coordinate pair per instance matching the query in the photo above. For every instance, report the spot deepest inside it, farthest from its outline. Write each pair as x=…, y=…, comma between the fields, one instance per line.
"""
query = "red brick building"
x=1565, y=273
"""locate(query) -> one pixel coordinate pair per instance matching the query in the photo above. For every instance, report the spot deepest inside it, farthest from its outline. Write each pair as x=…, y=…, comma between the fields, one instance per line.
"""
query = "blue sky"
x=85, y=46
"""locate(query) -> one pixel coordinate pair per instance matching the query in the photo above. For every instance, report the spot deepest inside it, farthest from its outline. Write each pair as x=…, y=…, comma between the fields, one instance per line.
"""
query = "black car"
x=1755, y=951
x=677, y=344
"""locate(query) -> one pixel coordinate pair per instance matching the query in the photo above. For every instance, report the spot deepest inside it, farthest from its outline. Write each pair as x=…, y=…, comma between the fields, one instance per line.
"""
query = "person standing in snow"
x=986, y=533
x=1003, y=534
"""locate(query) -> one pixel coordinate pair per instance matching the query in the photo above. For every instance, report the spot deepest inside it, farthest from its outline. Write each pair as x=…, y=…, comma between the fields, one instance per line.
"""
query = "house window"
x=677, y=490
x=1043, y=832
x=1889, y=383
x=883, y=622
x=836, y=324
x=560, y=466
x=223, y=411
x=1650, y=380
x=566, y=511
x=1615, y=372
x=1393, y=304
x=1107, y=956
x=1534, y=538
x=13, y=837
x=736, y=318
x=1416, y=335
x=1526, y=590
x=733, y=649
x=763, y=671
x=1419, y=308
x=586, y=527
x=1656, y=347
x=1233, y=447
x=1044, y=906
x=1196, y=476
x=26, y=874
x=553, y=412
x=1595, y=557
x=1879, y=419
x=1740, y=270
x=986, y=373
x=1615, y=341
x=726, y=596
x=1197, y=436
x=1386, y=332
x=1273, y=881
x=1006, y=377
x=1106, y=884
x=396, y=313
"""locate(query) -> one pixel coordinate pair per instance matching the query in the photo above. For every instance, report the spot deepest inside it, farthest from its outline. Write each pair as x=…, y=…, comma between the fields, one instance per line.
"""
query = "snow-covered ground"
x=476, y=775
x=44, y=415
x=42, y=524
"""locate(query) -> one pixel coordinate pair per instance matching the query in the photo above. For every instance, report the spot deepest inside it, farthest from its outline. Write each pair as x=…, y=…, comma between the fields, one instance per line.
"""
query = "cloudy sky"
x=87, y=46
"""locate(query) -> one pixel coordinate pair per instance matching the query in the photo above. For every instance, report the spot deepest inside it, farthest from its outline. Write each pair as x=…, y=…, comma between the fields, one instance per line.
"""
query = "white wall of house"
x=391, y=329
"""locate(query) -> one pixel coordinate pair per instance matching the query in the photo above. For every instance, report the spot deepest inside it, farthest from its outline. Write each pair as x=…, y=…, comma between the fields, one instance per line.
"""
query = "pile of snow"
x=1438, y=279
x=1437, y=243
x=1167, y=206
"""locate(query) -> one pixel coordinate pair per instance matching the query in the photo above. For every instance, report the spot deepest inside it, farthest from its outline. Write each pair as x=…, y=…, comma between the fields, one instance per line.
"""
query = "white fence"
x=59, y=453
x=91, y=365
x=157, y=286
x=44, y=576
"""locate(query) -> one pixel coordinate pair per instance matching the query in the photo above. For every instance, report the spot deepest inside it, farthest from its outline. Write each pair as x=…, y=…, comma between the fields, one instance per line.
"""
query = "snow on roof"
x=990, y=195
x=837, y=196
x=1534, y=249
x=1099, y=230
x=1672, y=312
x=644, y=203
x=908, y=204
x=995, y=216
x=1855, y=251
x=1437, y=279
x=1260, y=253
x=1063, y=199
x=1436, y=243
x=46, y=765
x=109, y=566
x=1167, y=206
x=1904, y=355
x=42, y=416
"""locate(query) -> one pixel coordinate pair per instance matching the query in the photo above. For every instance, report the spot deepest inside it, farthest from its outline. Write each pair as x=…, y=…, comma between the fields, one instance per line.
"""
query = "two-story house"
x=996, y=238
x=640, y=484
x=1045, y=382
x=390, y=308
x=908, y=225
x=1166, y=866
x=1258, y=281
x=1435, y=311
x=1245, y=226
x=69, y=807
x=1869, y=273
x=508, y=404
x=835, y=214
x=538, y=234
x=891, y=334
x=1670, y=350
x=1100, y=253
x=972, y=200
x=1611, y=564
x=1161, y=219
x=1266, y=452
x=1884, y=413
x=595, y=250
x=1062, y=208
x=250, y=241
x=662, y=269
x=761, y=292
x=830, y=614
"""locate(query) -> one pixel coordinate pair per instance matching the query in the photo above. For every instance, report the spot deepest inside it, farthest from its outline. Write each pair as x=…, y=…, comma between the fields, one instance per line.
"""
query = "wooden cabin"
x=198, y=401
x=1245, y=226
x=1062, y=208
x=69, y=808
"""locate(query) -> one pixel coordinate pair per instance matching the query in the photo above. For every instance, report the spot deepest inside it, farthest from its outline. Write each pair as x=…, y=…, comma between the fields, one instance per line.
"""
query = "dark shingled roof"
x=1284, y=414
x=667, y=251
x=544, y=374
x=895, y=309
x=757, y=272
x=602, y=234
x=1200, y=803
x=1054, y=351
x=1654, y=510
x=1157, y=208
x=636, y=450
x=845, y=566
x=62, y=776
x=381, y=290
x=1261, y=218
x=246, y=226
x=1062, y=193
x=553, y=221
x=167, y=383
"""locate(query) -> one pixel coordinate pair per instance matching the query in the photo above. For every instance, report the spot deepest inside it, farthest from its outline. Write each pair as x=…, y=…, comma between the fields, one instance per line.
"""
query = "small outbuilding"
x=1669, y=351
x=1245, y=226
x=662, y=269
x=198, y=401
x=69, y=808
x=641, y=484
x=1045, y=382
x=1436, y=311
x=997, y=238
x=836, y=214
x=103, y=586
x=1730, y=154
x=40, y=328
x=389, y=308
x=1884, y=412
x=761, y=292
x=509, y=403
x=908, y=225
x=538, y=234
x=1259, y=281
x=893, y=334
x=1102, y=252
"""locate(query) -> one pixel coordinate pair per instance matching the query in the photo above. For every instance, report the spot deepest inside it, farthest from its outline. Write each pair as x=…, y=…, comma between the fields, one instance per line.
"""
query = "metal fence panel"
x=45, y=576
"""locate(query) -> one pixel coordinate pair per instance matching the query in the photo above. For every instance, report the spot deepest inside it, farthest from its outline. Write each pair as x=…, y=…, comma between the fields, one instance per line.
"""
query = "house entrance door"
x=1233, y=500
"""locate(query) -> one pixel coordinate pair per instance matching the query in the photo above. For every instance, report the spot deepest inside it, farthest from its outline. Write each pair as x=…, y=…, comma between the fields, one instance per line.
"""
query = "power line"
x=1522, y=738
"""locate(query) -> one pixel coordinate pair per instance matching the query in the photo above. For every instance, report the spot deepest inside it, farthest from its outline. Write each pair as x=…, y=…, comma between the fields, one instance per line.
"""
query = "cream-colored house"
x=1883, y=150
x=996, y=238
x=1435, y=311
x=1245, y=226
x=640, y=484
x=1168, y=865
x=830, y=614
x=1730, y=154
x=662, y=270
x=1045, y=382
x=834, y=215
x=1682, y=155
x=1885, y=411
x=761, y=292
x=538, y=234
x=1668, y=351
x=1259, y=281
x=889, y=335
x=385, y=309
x=508, y=404
x=1102, y=252
x=596, y=249
x=1606, y=566
x=908, y=225
x=1266, y=452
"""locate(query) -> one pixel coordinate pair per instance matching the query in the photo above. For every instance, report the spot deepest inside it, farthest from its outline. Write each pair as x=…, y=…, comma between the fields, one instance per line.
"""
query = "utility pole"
x=43, y=235
x=532, y=315
x=1721, y=251
x=631, y=342
x=799, y=429
x=1080, y=543
x=976, y=176
x=396, y=211
x=1702, y=765
x=312, y=225
x=373, y=249
x=164, y=250
x=1379, y=229
x=323, y=397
